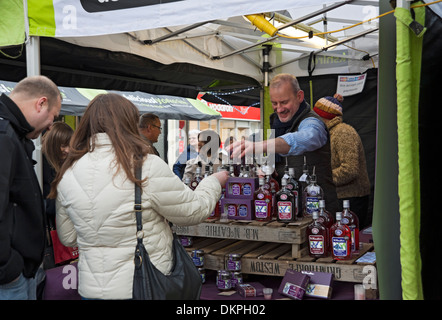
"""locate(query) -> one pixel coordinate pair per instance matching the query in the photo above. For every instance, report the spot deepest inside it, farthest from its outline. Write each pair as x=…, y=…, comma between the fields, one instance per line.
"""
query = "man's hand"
x=239, y=149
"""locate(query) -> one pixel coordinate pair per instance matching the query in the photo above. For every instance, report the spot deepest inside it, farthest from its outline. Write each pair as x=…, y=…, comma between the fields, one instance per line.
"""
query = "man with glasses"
x=150, y=128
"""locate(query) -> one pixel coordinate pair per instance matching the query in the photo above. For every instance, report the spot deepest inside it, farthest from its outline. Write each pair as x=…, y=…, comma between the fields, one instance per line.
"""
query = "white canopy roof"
x=214, y=34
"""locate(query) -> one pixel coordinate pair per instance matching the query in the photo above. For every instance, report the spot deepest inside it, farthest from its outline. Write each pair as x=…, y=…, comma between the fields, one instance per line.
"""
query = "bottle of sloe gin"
x=263, y=202
x=287, y=209
x=340, y=236
x=318, y=238
x=197, y=178
x=325, y=217
x=294, y=187
x=351, y=219
x=313, y=193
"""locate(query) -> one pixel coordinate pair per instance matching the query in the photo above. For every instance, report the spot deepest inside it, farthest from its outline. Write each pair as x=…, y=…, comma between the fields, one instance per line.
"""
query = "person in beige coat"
x=348, y=158
x=94, y=193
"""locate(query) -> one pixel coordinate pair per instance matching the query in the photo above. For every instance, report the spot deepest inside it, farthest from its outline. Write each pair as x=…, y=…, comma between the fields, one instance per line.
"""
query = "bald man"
x=29, y=109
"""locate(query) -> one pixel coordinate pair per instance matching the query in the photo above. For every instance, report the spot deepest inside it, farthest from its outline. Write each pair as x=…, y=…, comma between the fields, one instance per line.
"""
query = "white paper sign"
x=351, y=85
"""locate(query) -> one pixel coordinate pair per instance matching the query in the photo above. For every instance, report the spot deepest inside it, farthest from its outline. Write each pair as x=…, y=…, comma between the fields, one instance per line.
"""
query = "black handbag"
x=184, y=281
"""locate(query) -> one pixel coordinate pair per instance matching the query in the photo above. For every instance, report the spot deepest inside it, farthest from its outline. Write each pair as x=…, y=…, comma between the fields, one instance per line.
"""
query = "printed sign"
x=351, y=85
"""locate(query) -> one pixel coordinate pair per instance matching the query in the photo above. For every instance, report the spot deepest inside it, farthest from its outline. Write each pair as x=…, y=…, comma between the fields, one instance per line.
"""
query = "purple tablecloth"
x=341, y=290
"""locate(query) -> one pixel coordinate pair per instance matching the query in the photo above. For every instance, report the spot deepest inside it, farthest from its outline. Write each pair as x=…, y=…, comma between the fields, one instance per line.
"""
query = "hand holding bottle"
x=222, y=177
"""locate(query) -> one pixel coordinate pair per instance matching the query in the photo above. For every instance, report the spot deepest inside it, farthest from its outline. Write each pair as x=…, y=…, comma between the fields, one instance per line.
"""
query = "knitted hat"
x=329, y=107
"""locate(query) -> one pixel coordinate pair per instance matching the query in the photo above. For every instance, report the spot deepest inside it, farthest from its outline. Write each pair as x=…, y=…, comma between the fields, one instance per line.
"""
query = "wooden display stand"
x=293, y=234
x=268, y=248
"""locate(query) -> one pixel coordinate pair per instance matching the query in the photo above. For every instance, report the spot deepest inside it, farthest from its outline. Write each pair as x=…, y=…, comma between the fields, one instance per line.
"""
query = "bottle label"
x=194, y=184
x=231, y=210
x=236, y=189
x=234, y=265
x=284, y=210
x=236, y=279
x=316, y=243
x=260, y=209
x=242, y=210
x=247, y=189
x=224, y=284
x=293, y=290
x=198, y=261
x=312, y=205
x=345, y=220
x=339, y=245
x=186, y=241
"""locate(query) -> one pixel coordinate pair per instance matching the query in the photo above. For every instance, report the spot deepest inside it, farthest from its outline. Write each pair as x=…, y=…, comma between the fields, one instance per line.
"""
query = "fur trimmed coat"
x=347, y=160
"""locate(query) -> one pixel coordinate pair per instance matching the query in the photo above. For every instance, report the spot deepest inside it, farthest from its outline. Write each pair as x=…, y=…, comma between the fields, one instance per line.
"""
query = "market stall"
x=207, y=62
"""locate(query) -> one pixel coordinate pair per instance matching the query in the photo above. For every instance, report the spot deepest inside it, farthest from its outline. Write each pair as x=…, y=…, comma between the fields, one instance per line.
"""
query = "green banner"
x=12, y=23
x=409, y=31
x=42, y=18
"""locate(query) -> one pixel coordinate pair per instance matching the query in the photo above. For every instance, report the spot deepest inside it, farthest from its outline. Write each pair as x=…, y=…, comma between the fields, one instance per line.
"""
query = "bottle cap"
x=321, y=203
x=346, y=204
x=283, y=181
x=338, y=215
x=315, y=215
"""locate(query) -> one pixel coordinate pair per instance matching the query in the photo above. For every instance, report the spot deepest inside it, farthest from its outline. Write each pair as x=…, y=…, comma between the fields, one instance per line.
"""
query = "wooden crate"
x=273, y=259
x=293, y=234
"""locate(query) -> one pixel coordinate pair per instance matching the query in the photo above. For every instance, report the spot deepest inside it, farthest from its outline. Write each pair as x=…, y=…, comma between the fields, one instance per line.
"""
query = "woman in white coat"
x=94, y=193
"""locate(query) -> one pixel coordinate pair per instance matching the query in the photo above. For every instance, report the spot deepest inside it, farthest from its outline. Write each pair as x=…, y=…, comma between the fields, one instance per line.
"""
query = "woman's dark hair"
x=52, y=141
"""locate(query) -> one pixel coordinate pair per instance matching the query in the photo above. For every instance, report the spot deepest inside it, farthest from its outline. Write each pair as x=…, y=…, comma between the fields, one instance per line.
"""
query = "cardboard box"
x=320, y=284
x=238, y=209
x=294, y=284
x=241, y=188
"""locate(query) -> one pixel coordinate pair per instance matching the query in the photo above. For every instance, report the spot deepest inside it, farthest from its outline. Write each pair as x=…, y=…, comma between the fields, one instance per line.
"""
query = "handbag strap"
x=138, y=210
x=137, y=206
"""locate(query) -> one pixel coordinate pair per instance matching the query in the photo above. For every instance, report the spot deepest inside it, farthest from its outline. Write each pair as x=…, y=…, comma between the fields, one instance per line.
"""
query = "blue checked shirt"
x=311, y=135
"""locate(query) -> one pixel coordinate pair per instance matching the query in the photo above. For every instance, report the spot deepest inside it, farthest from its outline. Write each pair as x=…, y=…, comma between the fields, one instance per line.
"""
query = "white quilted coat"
x=95, y=212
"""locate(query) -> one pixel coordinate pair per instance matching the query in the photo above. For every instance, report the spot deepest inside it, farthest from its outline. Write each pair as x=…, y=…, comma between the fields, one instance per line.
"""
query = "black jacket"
x=320, y=159
x=22, y=215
